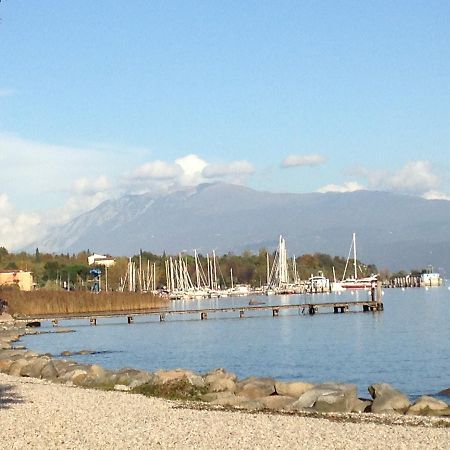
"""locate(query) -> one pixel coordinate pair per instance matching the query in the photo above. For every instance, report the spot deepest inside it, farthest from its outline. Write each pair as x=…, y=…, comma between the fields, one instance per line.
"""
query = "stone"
x=360, y=406
x=49, y=371
x=292, y=388
x=445, y=392
x=220, y=380
x=34, y=368
x=425, y=406
x=5, y=364
x=16, y=366
x=166, y=376
x=387, y=400
x=66, y=353
x=328, y=397
x=277, y=402
x=133, y=377
x=121, y=387
x=253, y=387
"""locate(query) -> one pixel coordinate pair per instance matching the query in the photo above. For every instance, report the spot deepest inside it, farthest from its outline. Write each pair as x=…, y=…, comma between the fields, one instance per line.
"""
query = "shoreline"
x=73, y=382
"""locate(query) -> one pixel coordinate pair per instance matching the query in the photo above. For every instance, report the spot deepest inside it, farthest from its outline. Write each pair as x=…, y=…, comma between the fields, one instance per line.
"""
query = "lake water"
x=407, y=345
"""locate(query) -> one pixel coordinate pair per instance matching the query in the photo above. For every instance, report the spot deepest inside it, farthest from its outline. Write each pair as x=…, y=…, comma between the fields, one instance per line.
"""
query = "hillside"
x=393, y=231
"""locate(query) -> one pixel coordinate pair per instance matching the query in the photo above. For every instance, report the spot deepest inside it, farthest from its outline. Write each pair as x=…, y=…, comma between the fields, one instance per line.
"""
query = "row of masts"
x=139, y=279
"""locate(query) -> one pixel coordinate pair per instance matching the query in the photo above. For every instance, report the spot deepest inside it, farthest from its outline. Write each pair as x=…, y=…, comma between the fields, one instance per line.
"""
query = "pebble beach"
x=37, y=414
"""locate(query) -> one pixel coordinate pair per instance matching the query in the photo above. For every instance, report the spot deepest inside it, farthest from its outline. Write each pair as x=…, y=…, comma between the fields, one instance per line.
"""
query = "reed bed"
x=62, y=303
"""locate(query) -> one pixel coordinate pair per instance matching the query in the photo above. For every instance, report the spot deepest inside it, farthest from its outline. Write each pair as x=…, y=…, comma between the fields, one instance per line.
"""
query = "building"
x=20, y=278
x=100, y=260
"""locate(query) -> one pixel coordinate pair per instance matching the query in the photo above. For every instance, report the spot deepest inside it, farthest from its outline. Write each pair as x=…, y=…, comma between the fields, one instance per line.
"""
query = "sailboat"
x=353, y=282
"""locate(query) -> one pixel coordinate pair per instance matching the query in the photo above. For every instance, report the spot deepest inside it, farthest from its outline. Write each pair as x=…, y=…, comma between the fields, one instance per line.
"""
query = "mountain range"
x=393, y=231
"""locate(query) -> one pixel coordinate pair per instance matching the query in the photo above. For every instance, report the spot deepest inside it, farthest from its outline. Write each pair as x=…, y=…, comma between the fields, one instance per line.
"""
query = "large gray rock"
x=220, y=380
x=292, y=388
x=445, y=392
x=277, y=402
x=34, y=368
x=133, y=378
x=253, y=387
x=388, y=400
x=328, y=397
x=49, y=371
x=428, y=406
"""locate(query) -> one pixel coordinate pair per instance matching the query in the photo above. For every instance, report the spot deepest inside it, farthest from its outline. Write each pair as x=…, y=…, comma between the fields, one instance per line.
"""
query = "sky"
x=100, y=99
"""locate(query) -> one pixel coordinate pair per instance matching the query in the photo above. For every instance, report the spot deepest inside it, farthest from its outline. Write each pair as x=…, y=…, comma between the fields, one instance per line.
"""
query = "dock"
x=204, y=313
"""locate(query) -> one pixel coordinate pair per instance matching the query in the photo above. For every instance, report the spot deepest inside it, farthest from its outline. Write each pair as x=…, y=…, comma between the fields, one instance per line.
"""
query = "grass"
x=173, y=390
x=53, y=303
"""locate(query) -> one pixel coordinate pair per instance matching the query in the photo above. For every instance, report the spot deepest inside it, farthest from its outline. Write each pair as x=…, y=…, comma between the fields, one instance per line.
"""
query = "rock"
x=277, y=402
x=292, y=388
x=133, y=377
x=386, y=399
x=220, y=380
x=427, y=406
x=360, y=406
x=34, y=368
x=328, y=397
x=250, y=405
x=253, y=387
x=167, y=376
x=121, y=387
x=66, y=353
x=445, y=392
x=16, y=366
x=5, y=364
x=49, y=371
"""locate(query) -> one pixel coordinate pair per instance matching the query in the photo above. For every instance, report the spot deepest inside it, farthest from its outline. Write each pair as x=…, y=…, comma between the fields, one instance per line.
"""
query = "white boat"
x=319, y=282
x=430, y=278
x=353, y=282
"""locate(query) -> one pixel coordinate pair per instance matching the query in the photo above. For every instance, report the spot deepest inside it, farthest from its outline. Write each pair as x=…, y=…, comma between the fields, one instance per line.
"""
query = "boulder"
x=292, y=388
x=328, y=397
x=277, y=402
x=445, y=392
x=133, y=377
x=49, y=371
x=5, y=364
x=253, y=387
x=387, y=400
x=34, y=368
x=360, y=406
x=168, y=376
x=16, y=366
x=220, y=380
x=427, y=406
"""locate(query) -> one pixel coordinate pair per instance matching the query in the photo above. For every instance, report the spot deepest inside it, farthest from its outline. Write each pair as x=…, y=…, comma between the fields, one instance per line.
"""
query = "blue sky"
x=101, y=98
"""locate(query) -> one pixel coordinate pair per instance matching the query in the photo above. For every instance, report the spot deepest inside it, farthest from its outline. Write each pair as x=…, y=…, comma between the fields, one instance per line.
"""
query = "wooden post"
x=241, y=314
x=162, y=317
x=275, y=312
x=312, y=310
x=93, y=321
x=130, y=319
x=203, y=315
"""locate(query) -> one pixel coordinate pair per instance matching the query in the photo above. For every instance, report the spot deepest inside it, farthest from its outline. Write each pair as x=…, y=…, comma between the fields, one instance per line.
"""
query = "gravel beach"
x=38, y=414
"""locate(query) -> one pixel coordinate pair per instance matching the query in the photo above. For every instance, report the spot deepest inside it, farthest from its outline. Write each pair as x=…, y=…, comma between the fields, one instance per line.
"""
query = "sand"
x=38, y=414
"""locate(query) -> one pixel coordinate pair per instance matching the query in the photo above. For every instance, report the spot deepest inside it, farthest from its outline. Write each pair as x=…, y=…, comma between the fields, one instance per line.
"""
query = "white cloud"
x=414, y=177
x=350, y=186
x=16, y=229
x=303, y=160
x=192, y=167
x=436, y=195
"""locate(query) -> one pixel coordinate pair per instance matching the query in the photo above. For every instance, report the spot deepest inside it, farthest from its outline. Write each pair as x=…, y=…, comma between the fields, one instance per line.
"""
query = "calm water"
x=407, y=345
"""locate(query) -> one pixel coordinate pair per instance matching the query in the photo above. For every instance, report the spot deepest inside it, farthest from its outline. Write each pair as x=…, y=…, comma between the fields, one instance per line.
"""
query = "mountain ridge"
x=393, y=230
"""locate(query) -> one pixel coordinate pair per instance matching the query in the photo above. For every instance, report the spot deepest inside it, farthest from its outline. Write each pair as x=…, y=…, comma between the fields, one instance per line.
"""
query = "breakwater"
x=217, y=387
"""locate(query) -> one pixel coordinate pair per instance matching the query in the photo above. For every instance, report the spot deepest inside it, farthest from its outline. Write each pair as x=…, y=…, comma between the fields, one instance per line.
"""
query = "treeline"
x=57, y=271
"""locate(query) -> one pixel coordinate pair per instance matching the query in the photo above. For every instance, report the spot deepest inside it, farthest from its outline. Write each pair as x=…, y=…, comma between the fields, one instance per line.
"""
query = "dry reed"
x=61, y=303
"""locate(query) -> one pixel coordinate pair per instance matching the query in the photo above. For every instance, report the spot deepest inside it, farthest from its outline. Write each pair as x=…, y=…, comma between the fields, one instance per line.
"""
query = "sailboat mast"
x=354, y=255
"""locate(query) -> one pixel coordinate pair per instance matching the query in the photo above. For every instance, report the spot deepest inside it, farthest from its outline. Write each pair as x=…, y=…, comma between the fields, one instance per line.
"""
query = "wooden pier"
x=204, y=313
